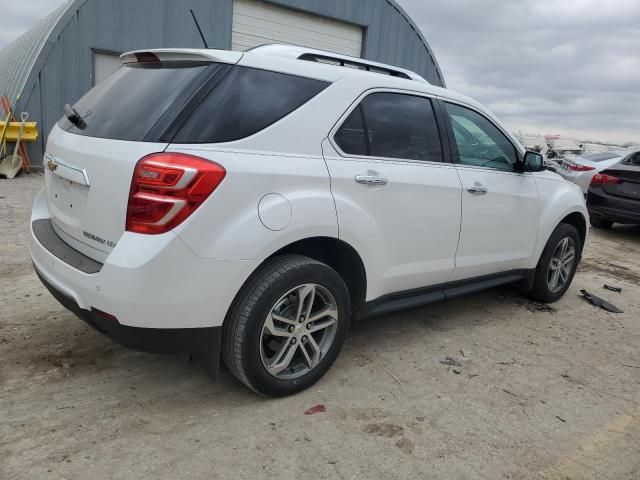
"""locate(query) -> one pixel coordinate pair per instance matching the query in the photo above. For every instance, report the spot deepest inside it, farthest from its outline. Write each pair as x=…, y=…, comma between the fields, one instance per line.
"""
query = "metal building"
x=78, y=45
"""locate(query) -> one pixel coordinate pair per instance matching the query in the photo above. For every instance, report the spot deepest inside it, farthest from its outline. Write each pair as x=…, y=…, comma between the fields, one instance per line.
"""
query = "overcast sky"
x=544, y=66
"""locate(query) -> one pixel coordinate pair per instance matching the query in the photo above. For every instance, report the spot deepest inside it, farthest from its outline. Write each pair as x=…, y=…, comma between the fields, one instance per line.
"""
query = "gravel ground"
x=542, y=392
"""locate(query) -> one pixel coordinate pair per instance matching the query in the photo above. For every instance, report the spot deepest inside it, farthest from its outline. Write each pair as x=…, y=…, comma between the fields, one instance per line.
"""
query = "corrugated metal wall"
x=64, y=70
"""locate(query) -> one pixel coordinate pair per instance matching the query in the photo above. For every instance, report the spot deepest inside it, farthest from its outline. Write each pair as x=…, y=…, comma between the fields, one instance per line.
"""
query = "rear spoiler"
x=181, y=55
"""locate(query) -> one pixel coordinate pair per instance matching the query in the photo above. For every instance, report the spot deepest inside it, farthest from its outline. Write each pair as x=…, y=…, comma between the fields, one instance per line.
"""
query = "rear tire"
x=556, y=268
x=286, y=326
x=603, y=223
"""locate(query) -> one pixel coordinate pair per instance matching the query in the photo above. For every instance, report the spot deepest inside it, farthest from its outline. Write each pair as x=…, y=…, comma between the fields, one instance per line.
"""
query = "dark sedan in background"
x=614, y=194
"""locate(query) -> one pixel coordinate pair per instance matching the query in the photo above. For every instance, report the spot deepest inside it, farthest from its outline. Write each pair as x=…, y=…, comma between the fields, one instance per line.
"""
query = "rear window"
x=246, y=101
x=189, y=102
x=130, y=102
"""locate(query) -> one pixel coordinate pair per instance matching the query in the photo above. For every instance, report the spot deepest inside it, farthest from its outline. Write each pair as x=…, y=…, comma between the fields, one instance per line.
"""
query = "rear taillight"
x=167, y=188
x=602, y=178
x=580, y=168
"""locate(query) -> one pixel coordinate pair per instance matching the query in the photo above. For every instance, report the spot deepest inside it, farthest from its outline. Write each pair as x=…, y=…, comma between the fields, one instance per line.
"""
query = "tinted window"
x=128, y=104
x=401, y=126
x=633, y=160
x=246, y=101
x=480, y=143
x=351, y=137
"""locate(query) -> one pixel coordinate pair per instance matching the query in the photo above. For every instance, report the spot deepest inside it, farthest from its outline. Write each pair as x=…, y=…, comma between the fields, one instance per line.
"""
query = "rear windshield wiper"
x=74, y=117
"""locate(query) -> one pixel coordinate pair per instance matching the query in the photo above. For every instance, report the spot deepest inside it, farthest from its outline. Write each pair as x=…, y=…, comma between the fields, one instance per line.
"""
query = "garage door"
x=256, y=23
x=104, y=64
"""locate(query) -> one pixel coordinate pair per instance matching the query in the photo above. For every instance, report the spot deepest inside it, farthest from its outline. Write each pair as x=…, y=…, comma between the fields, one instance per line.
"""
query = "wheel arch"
x=335, y=253
x=577, y=220
x=340, y=256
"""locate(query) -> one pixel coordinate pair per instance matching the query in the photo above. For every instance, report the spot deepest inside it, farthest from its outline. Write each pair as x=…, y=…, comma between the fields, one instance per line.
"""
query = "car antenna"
x=204, y=40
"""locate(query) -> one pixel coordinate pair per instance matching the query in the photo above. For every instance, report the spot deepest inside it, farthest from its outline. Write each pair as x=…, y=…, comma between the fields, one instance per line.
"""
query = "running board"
x=419, y=297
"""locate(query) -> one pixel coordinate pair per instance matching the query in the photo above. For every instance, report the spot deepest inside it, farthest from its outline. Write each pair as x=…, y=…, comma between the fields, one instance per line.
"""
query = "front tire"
x=287, y=326
x=557, y=265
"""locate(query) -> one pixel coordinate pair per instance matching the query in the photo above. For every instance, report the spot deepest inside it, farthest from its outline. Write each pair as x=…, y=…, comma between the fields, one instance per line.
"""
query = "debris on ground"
x=317, y=409
x=630, y=366
x=389, y=371
x=600, y=302
x=612, y=288
x=540, y=307
x=561, y=419
x=450, y=361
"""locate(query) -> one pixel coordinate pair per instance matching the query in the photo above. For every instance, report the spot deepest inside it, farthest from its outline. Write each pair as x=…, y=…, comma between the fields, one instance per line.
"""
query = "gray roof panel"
x=17, y=58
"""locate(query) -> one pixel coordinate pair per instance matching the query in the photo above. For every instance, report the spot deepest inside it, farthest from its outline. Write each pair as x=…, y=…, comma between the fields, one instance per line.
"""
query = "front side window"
x=392, y=125
x=480, y=143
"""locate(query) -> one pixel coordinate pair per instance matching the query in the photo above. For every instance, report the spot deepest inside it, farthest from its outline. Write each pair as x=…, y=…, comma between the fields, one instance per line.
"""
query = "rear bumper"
x=618, y=210
x=156, y=340
x=582, y=179
x=147, y=281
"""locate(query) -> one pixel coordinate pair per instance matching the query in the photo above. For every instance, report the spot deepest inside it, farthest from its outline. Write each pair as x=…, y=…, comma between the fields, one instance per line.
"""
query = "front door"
x=500, y=206
x=397, y=199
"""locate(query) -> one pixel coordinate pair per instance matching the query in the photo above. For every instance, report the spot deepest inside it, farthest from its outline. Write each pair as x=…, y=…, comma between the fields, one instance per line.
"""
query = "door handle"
x=477, y=189
x=371, y=178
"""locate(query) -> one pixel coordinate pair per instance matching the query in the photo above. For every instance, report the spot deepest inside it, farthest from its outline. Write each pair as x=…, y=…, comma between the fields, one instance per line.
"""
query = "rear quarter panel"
x=228, y=225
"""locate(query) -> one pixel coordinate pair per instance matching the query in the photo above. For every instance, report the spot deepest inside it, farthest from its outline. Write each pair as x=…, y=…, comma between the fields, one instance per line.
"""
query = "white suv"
x=247, y=206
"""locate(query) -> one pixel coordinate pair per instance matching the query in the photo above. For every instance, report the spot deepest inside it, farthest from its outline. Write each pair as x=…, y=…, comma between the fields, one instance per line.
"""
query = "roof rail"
x=320, y=56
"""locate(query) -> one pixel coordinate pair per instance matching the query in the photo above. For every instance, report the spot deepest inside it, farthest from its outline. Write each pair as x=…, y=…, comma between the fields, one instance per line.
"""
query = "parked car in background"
x=595, y=148
x=614, y=194
x=580, y=168
x=246, y=206
x=533, y=143
x=561, y=147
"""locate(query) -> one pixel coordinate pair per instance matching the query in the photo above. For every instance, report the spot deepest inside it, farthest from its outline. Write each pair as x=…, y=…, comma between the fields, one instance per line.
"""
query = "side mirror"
x=533, y=162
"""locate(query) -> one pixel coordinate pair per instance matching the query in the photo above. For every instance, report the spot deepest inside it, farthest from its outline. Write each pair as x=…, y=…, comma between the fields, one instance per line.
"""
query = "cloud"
x=570, y=66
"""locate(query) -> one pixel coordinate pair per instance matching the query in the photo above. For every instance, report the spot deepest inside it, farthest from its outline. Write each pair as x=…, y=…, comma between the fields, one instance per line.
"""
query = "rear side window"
x=352, y=136
x=129, y=103
x=394, y=125
x=633, y=160
x=246, y=101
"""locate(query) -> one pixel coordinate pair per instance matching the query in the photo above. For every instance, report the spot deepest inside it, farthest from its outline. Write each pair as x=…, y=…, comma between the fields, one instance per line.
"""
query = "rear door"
x=500, y=207
x=89, y=164
x=397, y=197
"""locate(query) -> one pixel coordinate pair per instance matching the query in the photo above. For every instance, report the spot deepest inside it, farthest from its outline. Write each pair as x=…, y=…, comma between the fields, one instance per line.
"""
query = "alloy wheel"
x=299, y=331
x=561, y=264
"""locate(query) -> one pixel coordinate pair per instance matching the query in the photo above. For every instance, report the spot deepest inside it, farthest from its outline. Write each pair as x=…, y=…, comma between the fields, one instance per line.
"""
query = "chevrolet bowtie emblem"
x=51, y=165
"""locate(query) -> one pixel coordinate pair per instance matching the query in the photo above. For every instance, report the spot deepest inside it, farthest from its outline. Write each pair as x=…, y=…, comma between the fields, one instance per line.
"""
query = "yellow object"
x=30, y=133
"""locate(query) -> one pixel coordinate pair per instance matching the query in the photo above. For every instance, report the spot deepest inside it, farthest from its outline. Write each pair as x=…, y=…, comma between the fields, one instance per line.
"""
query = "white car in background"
x=246, y=206
x=580, y=169
x=588, y=148
x=533, y=143
x=558, y=149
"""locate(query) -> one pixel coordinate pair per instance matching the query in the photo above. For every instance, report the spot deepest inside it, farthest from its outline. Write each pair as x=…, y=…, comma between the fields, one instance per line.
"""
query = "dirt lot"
x=542, y=392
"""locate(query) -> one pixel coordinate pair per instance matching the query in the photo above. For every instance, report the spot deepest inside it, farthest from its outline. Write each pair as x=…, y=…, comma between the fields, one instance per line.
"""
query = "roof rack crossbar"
x=316, y=57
